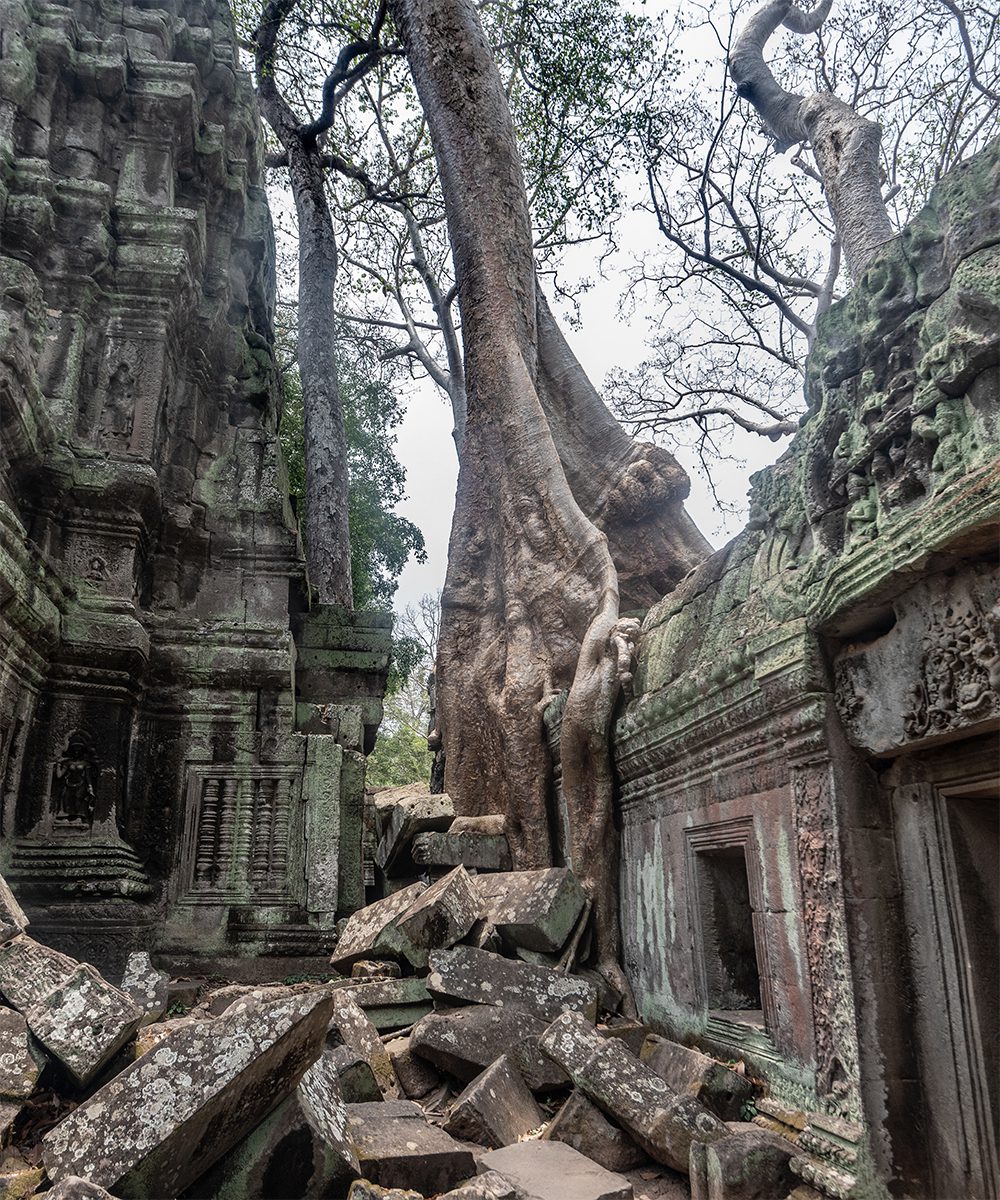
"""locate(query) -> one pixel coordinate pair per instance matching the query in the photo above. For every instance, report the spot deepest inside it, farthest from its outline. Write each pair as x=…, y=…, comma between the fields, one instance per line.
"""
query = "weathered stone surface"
x=75, y=1188
x=19, y=1069
x=8, y=1115
x=301, y=1149
x=12, y=918
x=749, y=1165
x=222, y=999
x=662, y=1122
x=496, y=1108
x=146, y=986
x=375, y=968
x=371, y=932
x=583, y=1126
x=465, y=1041
x=29, y=971
x=554, y=1171
x=150, y=1036
x=83, y=1022
x=358, y=1084
x=441, y=916
x=397, y=1147
x=632, y=1033
x=157, y=1126
x=350, y=1026
x=406, y=818
x=536, y=909
x=488, y=1186
x=689, y=1071
x=465, y=973
x=468, y=848
x=364, y=1189
x=392, y=1003
x=416, y=1076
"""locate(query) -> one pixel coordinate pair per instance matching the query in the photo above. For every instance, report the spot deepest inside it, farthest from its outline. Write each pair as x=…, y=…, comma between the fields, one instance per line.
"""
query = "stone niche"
x=809, y=770
x=182, y=733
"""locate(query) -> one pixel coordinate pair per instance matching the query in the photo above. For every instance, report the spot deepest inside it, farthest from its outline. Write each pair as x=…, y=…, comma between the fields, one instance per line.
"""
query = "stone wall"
x=814, y=731
x=182, y=737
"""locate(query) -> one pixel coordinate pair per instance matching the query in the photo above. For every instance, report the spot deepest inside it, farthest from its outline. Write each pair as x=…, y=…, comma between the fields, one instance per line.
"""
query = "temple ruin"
x=807, y=767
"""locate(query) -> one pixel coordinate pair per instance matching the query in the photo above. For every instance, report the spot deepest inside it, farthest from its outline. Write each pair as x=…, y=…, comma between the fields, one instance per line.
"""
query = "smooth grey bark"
x=845, y=144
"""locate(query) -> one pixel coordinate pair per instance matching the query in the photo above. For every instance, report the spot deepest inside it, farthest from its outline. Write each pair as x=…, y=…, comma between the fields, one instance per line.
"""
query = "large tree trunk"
x=530, y=577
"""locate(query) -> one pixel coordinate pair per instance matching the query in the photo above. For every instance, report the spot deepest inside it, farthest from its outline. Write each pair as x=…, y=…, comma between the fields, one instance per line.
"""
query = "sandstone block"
x=146, y=986
x=371, y=931
x=555, y=1171
x=355, y=1075
x=495, y=1109
x=470, y=849
x=405, y=819
x=632, y=1033
x=397, y=1148
x=19, y=1068
x=150, y=1036
x=164, y=1120
x=465, y=973
x=584, y=1127
x=465, y=1041
x=301, y=1149
x=442, y=916
x=489, y=1186
x=416, y=1076
x=662, y=1122
x=29, y=971
x=84, y=1022
x=12, y=918
x=693, y=1073
x=749, y=1165
x=350, y=1027
x=535, y=909
x=392, y=1003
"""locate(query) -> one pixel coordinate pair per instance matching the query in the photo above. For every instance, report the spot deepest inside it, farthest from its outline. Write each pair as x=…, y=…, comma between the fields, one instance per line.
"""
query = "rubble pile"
x=457, y=1051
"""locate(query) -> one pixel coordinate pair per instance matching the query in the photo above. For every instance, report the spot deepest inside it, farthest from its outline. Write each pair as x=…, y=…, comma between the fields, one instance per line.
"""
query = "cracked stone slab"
x=441, y=916
x=555, y=1171
x=534, y=909
x=495, y=1109
x=663, y=1122
x=479, y=977
x=371, y=931
x=397, y=1147
x=146, y=986
x=163, y=1121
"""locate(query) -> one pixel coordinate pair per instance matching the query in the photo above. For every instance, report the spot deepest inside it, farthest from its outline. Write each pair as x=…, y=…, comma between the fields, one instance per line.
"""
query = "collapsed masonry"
x=182, y=735
x=461, y=1056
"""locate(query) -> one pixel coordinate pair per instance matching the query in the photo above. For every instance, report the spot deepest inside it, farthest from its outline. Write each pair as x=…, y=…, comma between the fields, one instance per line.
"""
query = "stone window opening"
x=729, y=952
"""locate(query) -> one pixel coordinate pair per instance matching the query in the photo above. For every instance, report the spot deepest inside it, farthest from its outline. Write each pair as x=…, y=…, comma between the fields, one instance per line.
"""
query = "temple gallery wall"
x=807, y=766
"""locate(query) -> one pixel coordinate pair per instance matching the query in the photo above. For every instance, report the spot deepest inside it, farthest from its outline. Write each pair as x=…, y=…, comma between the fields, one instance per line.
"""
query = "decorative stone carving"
x=73, y=777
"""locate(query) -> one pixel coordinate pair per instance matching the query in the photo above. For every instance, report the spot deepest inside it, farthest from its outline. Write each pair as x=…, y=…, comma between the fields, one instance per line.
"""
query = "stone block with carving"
x=478, y=977
x=663, y=1122
x=534, y=909
x=164, y=1120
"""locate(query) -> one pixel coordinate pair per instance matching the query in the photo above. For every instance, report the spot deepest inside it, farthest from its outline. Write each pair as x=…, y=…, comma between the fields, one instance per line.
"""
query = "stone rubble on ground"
x=464, y=994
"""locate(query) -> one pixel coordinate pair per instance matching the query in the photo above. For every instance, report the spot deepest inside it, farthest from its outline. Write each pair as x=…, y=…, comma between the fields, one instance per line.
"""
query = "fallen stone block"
x=398, y=1148
x=12, y=918
x=663, y=1122
x=490, y=1186
x=441, y=916
x=464, y=973
x=583, y=1126
x=221, y=1000
x=164, y=1120
x=495, y=1109
x=146, y=986
x=392, y=1003
x=465, y=1041
x=371, y=931
x=29, y=971
x=150, y=1036
x=375, y=968
x=355, y=1075
x=364, y=1189
x=483, y=936
x=534, y=909
x=470, y=849
x=555, y=1171
x=75, y=1188
x=416, y=1076
x=20, y=1065
x=748, y=1165
x=693, y=1073
x=301, y=1149
x=405, y=819
x=349, y=1026
x=632, y=1033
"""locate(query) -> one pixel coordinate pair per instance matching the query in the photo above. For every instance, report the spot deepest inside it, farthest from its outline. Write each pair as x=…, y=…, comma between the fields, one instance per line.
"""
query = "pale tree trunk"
x=531, y=580
x=845, y=144
x=328, y=540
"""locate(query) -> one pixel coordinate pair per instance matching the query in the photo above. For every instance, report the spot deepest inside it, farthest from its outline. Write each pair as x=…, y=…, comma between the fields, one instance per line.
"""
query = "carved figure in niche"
x=73, y=791
x=97, y=570
x=862, y=512
x=118, y=412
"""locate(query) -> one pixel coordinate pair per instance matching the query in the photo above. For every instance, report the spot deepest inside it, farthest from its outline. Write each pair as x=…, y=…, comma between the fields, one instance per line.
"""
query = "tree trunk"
x=530, y=577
